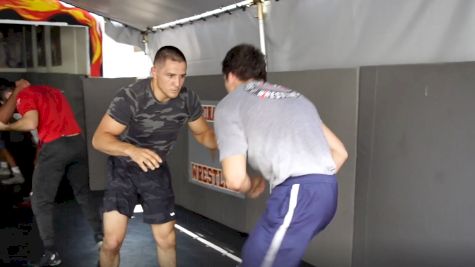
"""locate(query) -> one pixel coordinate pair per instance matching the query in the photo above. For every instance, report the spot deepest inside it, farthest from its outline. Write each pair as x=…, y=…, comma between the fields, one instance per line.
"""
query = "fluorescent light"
x=27, y=22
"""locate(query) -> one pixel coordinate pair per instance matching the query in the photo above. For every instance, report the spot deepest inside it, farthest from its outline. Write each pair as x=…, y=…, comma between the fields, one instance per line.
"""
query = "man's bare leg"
x=165, y=239
x=115, y=228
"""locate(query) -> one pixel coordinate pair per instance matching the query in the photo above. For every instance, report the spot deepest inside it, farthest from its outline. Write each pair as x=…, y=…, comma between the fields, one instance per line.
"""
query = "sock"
x=16, y=170
x=3, y=164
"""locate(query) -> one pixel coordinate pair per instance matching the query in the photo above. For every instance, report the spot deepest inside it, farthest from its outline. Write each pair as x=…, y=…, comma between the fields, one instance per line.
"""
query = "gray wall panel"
x=335, y=93
x=97, y=96
x=12, y=76
x=363, y=171
x=414, y=167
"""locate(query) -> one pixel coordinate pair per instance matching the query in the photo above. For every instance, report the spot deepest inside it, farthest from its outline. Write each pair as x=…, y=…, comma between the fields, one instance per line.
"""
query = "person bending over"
x=63, y=151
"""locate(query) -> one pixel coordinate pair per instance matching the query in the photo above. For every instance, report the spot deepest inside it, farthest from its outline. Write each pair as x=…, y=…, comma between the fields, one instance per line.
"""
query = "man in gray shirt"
x=280, y=133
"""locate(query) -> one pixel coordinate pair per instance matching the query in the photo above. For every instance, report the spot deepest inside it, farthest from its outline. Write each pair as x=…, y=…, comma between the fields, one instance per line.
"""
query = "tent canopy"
x=143, y=14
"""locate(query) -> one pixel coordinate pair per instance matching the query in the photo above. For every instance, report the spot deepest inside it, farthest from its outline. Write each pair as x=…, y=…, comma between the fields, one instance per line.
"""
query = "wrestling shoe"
x=49, y=259
x=16, y=179
x=5, y=172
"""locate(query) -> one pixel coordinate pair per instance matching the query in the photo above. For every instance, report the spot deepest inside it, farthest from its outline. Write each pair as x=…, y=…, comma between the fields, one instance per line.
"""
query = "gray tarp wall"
x=309, y=34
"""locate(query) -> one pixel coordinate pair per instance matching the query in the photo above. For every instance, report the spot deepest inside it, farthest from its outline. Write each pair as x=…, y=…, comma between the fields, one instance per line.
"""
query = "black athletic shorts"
x=128, y=186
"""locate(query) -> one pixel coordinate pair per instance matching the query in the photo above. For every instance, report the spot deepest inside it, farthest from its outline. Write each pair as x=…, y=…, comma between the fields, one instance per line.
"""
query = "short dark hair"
x=6, y=85
x=246, y=62
x=168, y=52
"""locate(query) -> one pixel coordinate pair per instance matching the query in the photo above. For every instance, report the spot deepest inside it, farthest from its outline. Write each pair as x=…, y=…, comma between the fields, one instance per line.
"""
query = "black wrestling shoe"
x=49, y=259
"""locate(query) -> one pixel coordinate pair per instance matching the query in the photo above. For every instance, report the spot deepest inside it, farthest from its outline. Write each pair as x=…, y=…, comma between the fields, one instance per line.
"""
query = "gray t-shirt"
x=150, y=123
x=277, y=128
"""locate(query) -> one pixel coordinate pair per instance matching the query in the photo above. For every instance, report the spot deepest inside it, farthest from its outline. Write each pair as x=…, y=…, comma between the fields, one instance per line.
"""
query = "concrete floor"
x=20, y=243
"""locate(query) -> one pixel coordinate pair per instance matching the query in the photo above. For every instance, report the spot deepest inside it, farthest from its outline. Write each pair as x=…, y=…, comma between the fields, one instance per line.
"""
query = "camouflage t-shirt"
x=150, y=123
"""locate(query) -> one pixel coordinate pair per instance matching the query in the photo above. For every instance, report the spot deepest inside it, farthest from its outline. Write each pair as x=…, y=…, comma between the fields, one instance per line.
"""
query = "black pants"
x=63, y=156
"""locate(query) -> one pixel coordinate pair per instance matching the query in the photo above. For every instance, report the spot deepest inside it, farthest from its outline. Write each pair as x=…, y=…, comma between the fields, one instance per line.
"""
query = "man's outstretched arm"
x=337, y=148
x=27, y=123
x=237, y=179
x=106, y=140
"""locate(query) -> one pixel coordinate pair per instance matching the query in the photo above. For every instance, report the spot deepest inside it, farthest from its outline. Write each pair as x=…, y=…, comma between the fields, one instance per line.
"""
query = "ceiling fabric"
x=142, y=14
x=341, y=33
x=205, y=43
x=124, y=34
x=311, y=34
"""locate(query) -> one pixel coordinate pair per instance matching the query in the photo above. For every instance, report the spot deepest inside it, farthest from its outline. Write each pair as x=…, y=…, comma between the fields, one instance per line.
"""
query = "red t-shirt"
x=55, y=116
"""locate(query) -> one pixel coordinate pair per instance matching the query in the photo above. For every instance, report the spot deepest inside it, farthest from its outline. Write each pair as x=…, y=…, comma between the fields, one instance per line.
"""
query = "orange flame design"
x=42, y=10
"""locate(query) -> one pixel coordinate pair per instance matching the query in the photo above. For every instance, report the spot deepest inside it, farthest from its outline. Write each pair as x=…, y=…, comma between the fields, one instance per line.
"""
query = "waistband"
x=127, y=161
x=70, y=135
x=310, y=179
x=59, y=138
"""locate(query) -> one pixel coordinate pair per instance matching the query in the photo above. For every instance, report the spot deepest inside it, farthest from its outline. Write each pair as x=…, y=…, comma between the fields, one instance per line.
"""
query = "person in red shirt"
x=63, y=151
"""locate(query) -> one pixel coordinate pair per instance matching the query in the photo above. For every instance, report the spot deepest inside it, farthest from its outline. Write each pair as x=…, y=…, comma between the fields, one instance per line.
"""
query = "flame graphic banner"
x=42, y=10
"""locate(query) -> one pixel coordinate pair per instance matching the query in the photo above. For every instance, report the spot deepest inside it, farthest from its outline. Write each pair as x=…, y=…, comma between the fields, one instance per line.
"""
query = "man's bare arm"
x=237, y=179
x=27, y=123
x=106, y=140
x=203, y=133
x=337, y=148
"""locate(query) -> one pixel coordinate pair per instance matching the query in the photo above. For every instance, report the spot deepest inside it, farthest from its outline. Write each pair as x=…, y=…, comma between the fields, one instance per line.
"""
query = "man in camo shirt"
x=138, y=130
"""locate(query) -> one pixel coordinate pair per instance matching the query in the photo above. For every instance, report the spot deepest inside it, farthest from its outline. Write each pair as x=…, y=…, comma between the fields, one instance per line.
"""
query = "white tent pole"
x=260, y=16
x=145, y=42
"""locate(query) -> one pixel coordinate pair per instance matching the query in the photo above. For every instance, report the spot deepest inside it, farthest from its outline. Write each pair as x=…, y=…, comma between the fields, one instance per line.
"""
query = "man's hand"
x=145, y=158
x=3, y=126
x=21, y=84
x=258, y=184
